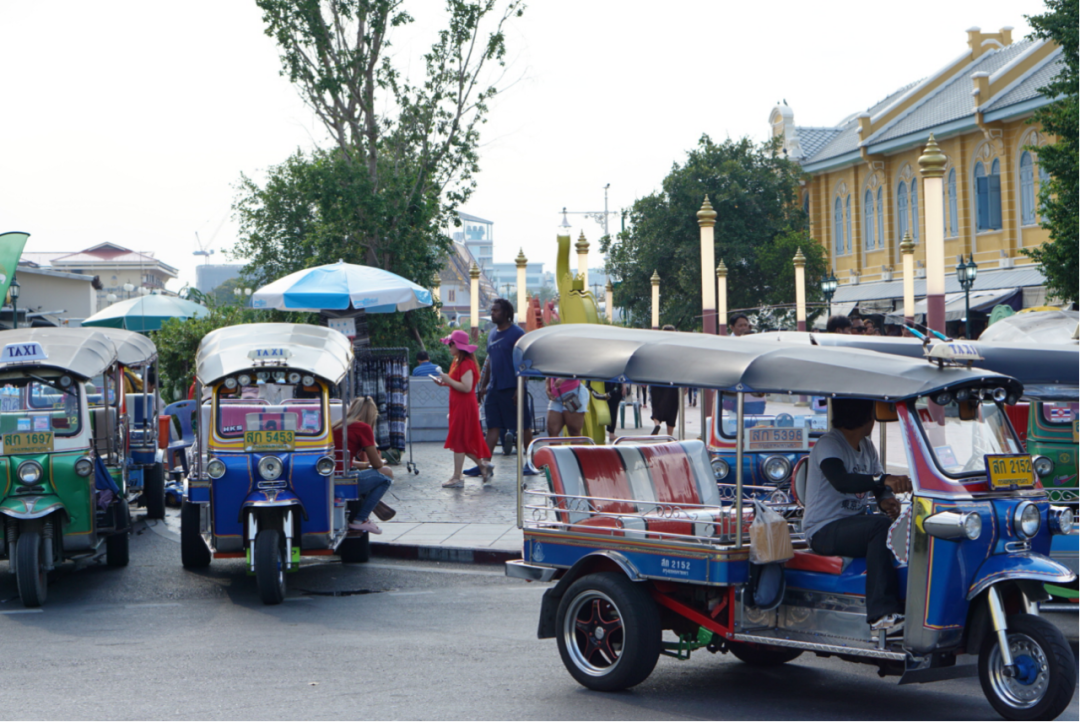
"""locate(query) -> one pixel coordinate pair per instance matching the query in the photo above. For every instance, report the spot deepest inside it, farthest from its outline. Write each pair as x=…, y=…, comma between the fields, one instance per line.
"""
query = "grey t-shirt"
x=824, y=504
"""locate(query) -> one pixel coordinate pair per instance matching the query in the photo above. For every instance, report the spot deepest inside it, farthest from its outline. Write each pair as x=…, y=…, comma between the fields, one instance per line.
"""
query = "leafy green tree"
x=759, y=227
x=1058, y=198
x=178, y=341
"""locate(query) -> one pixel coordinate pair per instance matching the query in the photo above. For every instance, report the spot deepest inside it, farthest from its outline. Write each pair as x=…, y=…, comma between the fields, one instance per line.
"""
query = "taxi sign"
x=775, y=438
x=1010, y=471
x=269, y=354
x=953, y=351
x=19, y=352
x=269, y=440
x=28, y=442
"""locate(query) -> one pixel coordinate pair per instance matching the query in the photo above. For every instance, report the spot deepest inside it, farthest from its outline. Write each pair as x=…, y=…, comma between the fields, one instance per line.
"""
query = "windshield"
x=35, y=407
x=1058, y=413
x=959, y=446
x=808, y=413
x=95, y=391
x=243, y=410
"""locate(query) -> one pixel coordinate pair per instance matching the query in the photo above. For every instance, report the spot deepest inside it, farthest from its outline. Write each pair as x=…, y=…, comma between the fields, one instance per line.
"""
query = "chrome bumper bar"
x=518, y=569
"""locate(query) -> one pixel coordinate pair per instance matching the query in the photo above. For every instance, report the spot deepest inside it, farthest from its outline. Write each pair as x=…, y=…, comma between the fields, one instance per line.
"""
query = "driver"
x=843, y=467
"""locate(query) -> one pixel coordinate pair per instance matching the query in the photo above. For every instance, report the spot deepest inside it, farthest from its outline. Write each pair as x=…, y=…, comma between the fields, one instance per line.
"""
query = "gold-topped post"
x=522, y=298
x=932, y=167
x=707, y=221
x=655, y=300
x=907, y=253
x=582, y=247
x=609, y=301
x=721, y=297
x=474, y=302
x=800, y=290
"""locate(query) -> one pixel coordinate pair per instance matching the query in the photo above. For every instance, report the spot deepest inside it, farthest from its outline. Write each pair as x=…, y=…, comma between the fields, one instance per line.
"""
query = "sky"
x=131, y=122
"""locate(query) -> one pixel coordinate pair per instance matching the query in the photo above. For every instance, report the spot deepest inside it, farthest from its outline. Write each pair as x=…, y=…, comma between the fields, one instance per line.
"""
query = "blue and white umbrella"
x=339, y=286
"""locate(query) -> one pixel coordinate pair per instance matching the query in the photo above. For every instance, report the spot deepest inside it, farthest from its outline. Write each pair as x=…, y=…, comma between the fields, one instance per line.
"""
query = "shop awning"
x=955, y=305
x=1021, y=277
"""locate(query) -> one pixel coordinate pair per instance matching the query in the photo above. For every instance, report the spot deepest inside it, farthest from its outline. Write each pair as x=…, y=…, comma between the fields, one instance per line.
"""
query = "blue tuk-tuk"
x=641, y=542
x=268, y=485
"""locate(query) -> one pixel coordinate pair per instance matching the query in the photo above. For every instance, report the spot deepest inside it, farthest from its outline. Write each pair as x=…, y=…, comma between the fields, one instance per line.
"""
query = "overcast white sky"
x=130, y=121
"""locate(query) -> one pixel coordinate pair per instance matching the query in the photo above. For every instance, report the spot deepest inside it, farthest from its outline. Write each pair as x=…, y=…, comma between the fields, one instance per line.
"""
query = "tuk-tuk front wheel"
x=608, y=632
x=118, y=546
x=30, y=566
x=270, y=566
x=1043, y=678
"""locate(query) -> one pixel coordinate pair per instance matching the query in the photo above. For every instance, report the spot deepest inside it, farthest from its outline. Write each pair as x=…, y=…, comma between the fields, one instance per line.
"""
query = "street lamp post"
x=13, y=291
x=932, y=166
x=128, y=288
x=522, y=302
x=474, y=301
x=655, y=300
x=966, y=273
x=706, y=221
x=721, y=297
x=582, y=247
x=800, y=290
x=828, y=288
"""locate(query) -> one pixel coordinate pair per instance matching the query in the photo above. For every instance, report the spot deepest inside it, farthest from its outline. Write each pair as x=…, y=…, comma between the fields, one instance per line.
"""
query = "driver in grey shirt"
x=843, y=470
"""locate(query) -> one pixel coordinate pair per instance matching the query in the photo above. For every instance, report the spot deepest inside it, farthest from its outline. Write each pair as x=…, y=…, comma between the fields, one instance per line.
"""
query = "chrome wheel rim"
x=593, y=633
x=1032, y=673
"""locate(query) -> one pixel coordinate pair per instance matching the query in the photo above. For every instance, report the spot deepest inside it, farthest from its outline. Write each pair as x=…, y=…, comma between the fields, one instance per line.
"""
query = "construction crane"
x=205, y=250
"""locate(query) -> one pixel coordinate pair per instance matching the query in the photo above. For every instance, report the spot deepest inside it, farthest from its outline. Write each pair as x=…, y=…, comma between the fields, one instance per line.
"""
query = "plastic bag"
x=770, y=540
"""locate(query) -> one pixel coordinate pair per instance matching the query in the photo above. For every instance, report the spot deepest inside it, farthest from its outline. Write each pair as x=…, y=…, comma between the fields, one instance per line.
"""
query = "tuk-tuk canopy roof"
x=314, y=349
x=1049, y=372
x=84, y=352
x=132, y=349
x=609, y=353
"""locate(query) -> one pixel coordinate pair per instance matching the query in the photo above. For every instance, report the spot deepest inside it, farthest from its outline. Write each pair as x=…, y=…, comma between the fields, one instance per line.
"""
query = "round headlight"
x=325, y=466
x=972, y=526
x=1043, y=466
x=963, y=394
x=942, y=398
x=279, y=377
x=29, y=472
x=720, y=468
x=83, y=467
x=777, y=468
x=65, y=381
x=294, y=377
x=244, y=379
x=216, y=468
x=1000, y=394
x=1062, y=519
x=262, y=376
x=270, y=468
x=309, y=380
x=230, y=383
x=1026, y=520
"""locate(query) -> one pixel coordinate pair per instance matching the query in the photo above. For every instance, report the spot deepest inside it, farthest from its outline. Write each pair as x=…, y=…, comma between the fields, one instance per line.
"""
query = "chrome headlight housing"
x=1044, y=466
x=1061, y=520
x=244, y=379
x=84, y=467
x=720, y=469
x=1026, y=520
x=215, y=468
x=972, y=526
x=271, y=468
x=776, y=468
x=325, y=466
x=30, y=472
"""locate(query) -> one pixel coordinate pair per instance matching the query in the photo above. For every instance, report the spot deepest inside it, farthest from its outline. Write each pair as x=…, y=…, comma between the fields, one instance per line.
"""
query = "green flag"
x=11, y=248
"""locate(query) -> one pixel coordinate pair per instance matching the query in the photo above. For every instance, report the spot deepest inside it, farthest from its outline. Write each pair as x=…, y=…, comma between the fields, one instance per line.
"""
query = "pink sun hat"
x=460, y=339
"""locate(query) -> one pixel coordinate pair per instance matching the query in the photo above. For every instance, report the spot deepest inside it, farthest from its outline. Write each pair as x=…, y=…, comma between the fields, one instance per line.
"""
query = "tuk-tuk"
x=58, y=500
x=268, y=485
x=139, y=406
x=641, y=542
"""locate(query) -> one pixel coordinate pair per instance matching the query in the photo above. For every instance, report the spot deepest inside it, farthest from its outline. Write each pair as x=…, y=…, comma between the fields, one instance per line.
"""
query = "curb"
x=460, y=555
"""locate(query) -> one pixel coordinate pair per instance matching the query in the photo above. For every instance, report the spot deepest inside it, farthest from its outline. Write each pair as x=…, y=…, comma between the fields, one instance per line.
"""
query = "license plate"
x=28, y=442
x=1010, y=471
x=773, y=438
x=271, y=440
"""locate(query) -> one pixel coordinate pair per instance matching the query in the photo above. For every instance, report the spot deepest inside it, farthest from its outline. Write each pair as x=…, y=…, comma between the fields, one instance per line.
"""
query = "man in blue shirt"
x=498, y=383
x=424, y=367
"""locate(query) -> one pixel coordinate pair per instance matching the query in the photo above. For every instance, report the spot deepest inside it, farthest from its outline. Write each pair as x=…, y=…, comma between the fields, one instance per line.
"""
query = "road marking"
x=23, y=611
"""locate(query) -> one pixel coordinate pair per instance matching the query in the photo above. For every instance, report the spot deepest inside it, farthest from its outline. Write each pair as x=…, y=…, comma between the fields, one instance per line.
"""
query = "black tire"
x=355, y=549
x=270, y=566
x=194, y=554
x=762, y=655
x=154, y=491
x=608, y=632
x=30, y=571
x=118, y=545
x=1046, y=677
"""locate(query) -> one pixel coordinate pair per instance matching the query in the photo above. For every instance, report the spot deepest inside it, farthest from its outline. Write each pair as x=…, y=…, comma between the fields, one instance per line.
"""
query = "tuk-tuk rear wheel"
x=30, y=574
x=1045, y=670
x=270, y=566
x=608, y=632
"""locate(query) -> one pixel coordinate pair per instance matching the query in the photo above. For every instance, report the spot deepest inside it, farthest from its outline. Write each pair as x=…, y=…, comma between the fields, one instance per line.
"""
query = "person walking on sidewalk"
x=374, y=477
x=464, y=437
x=665, y=404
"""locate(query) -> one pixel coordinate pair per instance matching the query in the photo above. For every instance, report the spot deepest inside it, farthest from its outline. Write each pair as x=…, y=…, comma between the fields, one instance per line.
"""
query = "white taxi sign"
x=269, y=354
x=20, y=352
x=954, y=351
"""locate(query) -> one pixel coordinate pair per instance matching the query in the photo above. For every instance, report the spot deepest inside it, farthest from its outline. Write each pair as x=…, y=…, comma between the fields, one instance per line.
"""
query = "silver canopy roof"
x=132, y=348
x=321, y=351
x=607, y=353
x=85, y=352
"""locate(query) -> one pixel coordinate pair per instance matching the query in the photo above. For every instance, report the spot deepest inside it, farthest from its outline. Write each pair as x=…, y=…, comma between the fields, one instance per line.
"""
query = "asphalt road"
x=384, y=640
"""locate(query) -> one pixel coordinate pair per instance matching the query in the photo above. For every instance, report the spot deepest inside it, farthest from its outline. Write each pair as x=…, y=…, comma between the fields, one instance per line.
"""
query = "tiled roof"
x=1028, y=88
x=811, y=140
x=845, y=139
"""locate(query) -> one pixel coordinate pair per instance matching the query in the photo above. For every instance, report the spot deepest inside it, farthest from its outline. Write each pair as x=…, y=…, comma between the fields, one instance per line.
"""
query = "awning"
x=838, y=309
x=1025, y=276
x=955, y=305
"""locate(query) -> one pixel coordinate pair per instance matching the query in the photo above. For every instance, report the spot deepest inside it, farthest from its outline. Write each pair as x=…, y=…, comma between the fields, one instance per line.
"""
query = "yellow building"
x=863, y=189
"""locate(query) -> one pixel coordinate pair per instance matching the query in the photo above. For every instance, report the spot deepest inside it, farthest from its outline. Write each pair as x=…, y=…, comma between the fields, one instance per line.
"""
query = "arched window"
x=901, y=211
x=880, y=221
x=953, y=226
x=988, y=196
x=1027, y=189
x=914, y=211
x=847, y=221
x=868, y=221
x=838, y=228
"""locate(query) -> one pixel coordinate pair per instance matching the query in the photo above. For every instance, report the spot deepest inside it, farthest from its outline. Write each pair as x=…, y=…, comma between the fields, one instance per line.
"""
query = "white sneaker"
x=888, y=622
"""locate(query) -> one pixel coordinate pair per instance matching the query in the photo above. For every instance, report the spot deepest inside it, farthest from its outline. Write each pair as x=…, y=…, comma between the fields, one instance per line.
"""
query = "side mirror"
x=969, y=410
x=885, y=411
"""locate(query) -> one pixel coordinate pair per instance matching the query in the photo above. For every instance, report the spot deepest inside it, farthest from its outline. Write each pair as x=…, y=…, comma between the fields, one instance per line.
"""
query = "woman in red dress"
x=465, y=437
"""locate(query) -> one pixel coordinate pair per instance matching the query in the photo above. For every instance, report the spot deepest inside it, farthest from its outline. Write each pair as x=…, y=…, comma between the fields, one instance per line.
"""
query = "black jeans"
x=864, y=536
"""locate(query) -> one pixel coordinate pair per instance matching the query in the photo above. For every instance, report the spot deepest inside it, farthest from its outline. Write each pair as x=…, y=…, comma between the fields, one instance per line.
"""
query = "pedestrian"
x=464, y=437
x=664, y=401
x=870, y=328
x=740, y=325
x=838, y=324
x=498, y=383
x=374, y=477
x=424, y=366
x=614, y=392
x=568, y=401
